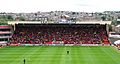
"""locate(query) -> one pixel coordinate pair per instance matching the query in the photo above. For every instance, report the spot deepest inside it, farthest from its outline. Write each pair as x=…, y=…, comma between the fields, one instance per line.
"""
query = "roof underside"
x=52, y=22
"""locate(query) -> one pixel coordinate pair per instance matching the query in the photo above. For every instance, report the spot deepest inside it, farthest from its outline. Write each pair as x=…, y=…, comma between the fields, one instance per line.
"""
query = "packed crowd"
x=86, y=34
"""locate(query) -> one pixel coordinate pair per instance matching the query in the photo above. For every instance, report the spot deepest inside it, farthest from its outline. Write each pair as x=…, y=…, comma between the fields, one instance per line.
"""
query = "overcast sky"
x=62, y=5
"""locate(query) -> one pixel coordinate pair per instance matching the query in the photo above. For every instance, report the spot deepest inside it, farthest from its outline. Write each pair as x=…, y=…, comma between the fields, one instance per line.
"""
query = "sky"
x=27, y=6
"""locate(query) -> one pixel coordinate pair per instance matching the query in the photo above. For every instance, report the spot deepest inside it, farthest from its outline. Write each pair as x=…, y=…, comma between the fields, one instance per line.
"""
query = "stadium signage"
x=65, y=22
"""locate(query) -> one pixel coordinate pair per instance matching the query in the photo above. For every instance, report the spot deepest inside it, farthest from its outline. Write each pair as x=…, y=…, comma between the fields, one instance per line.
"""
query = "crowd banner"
x=31, y=44
x=69, y=44
x=91, y=44
x=14, y=44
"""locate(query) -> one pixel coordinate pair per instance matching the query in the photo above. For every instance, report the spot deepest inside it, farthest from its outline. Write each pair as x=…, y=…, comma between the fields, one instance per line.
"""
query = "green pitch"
x=58, y=55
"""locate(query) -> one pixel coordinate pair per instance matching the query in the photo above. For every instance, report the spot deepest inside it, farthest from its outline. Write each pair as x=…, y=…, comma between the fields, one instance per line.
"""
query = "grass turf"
x=58, y=55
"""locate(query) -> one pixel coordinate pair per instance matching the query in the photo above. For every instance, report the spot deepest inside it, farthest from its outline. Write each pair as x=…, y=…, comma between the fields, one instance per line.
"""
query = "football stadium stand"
x=51, y=33
x=5, y=34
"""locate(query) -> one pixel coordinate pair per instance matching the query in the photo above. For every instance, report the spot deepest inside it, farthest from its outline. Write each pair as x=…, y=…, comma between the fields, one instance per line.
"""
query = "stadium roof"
x=94, y=22
x=52, y=22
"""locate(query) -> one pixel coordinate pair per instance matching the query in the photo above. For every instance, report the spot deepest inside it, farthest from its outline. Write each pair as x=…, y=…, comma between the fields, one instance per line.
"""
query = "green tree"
x=21, y=18
x=103, y=18
x=110, y=27
x=114, y=22
x=9, y=17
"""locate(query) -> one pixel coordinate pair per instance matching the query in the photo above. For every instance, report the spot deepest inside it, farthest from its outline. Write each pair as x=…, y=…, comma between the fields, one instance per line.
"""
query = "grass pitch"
x=58, y=55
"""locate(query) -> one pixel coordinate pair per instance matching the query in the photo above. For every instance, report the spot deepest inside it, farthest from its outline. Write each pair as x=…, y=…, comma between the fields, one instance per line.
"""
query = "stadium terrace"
x=51, y=33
